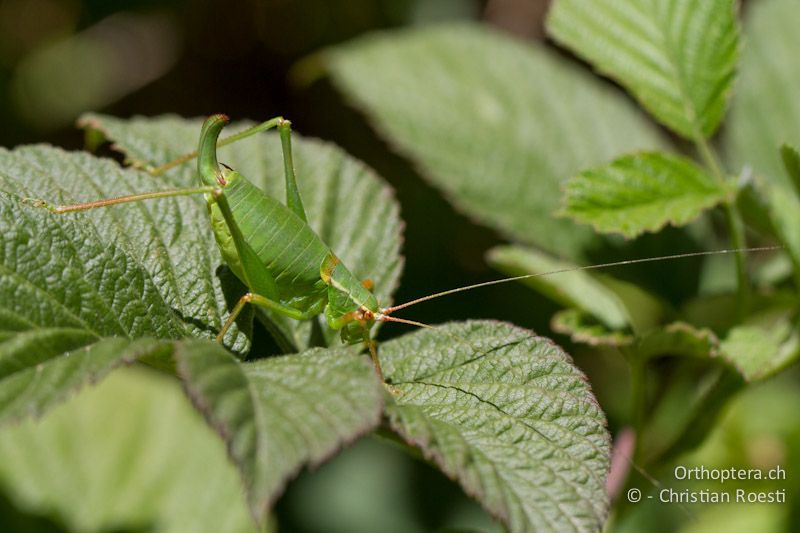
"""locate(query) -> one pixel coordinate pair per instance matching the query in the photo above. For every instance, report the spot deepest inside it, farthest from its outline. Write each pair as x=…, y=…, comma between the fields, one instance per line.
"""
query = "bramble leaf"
x=38, y=369
x=783, y=210
x=763, y=346
x=128, y=455
x=508, y=416
x=677, y=57
x=583, y=327
x=73, y=294
x=765, y=111
x=678, y=339
x=498, y=124
x=791, y=160
x=172, y=281
x=333, y=186
x=641, y=192
x=282, y=413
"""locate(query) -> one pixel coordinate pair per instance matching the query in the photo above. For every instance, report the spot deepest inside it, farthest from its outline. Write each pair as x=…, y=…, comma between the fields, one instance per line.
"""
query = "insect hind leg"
x=264, y=126
x=266, y=303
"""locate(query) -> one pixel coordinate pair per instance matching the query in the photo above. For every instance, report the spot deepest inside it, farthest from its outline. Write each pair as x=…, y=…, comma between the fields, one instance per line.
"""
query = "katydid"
x=269, y=246
x=285, y=266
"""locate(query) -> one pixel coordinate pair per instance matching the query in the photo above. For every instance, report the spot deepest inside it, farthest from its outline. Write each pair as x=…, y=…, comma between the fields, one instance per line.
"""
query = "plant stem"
x=735, y=226
x=709, y=157
x=638, y=395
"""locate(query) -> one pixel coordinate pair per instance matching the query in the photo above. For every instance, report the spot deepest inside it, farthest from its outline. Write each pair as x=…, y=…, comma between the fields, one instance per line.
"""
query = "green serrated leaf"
x=677, y=57
x=678, y=338
x=128, y=455
x=641, y=192
x=791, y=160
x=783, y=210
x=280, y=414
x=765, y=112
x=38, y=367
x=508, y=416
x=763, y=346
x=496, y=123
x=343, y=197
x=72, y=293
x=718, y=312
x=586, y=329
x=157, y=239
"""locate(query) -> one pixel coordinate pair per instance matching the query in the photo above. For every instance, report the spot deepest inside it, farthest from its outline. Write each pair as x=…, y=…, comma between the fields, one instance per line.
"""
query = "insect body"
x=269, y=246
x=273, y=250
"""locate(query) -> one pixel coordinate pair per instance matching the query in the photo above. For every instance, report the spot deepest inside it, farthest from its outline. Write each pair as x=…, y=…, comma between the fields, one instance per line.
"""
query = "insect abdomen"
x=286, y=244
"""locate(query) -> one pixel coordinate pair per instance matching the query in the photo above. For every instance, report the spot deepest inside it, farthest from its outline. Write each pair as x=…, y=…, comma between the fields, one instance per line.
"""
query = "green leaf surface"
x=570, y=288
x=641, y=192
x=38, y=369
x=280, y=414
x=348, y=205
x=763, y=346
x=687, y=410
x=678, y=339
x=73, y=290
x=508, y=416
x=494, y=122
x=677, y=57
x=149, y=259
x=584, y=328
x=783, y=210
x=128, y=455
x=765, y=112
x=718, y=312
x=791, y=160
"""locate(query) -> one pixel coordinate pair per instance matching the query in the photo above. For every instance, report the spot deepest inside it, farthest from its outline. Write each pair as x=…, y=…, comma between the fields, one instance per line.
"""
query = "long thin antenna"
x=389, y=310
x=385, y=318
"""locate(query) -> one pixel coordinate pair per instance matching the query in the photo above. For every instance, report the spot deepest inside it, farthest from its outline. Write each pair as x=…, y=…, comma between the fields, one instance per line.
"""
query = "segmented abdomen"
x=285, y=243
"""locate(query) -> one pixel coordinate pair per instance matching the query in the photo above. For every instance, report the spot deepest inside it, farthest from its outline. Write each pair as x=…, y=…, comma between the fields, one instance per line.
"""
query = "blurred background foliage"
x=60, y=58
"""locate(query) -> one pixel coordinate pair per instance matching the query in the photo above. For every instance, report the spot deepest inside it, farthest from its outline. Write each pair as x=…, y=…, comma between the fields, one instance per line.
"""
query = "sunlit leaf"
x=677, y=57
x=585, y=328
x=507, y=415
x=128, y=455
x=791, y=160
x=678, y=339
x=762, y=347
x=282, y=413
x=765, y=112
x=783, y=210
x=641, y=192
x=498, y=124
x=73, y=292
